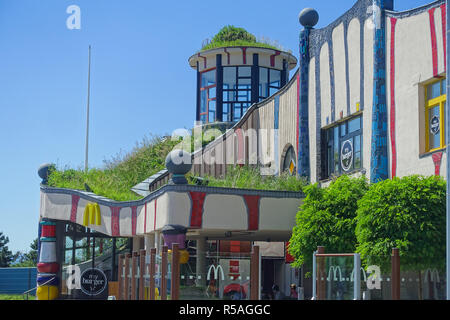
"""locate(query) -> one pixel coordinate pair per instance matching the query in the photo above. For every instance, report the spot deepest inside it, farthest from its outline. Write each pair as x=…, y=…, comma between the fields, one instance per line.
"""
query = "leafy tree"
x=6, y=256
x=327, y=218
x=28, y=259
x=232, y=33
x=408, y=213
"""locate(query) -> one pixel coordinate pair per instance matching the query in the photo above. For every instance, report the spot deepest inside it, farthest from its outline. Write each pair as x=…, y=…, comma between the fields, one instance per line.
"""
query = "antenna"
x=87, y=113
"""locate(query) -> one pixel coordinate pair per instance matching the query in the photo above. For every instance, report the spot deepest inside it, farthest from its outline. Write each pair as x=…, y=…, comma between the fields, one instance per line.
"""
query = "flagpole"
x=87, y=113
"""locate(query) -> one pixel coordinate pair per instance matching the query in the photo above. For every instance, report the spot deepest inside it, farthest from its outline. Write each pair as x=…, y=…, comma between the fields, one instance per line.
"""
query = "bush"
x=232, y=33
x=408, y=213
x=246, y=177
x=327, y=218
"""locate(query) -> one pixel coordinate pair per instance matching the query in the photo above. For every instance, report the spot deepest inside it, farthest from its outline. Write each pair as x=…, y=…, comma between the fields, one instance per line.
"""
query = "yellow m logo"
x=92, y=215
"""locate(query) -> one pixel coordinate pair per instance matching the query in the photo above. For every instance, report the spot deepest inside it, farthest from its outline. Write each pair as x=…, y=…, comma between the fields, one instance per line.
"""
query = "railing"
x=35, y=288
x=146, y=276
x=321, y=277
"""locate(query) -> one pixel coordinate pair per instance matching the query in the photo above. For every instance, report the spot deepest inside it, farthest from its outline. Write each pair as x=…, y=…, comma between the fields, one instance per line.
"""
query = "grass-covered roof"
x=231, y=36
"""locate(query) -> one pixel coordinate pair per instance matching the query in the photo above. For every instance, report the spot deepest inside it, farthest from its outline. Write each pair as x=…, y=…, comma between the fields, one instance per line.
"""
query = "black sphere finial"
x=308, y=17
x=178, y=163
x=44, y=171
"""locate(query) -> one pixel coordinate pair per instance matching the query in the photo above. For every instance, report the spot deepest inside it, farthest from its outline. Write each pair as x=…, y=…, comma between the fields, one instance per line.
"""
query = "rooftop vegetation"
x=119, y=174
x=231, y=36
x=122, y=172
x=246, y=177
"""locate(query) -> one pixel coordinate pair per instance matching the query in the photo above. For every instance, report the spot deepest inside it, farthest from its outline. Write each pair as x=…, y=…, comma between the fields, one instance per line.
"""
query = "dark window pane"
x=202, y=101
x=245, y=72
x=229, y=77
x=212, y=93
x=357, y=160
x=434, y=90
x=263, y=82
x=434, y=127
x=229, y=96
x=357, y=143
x=275, y=78
x=272, y=91
x=245, y=83
x=343, y=129
x=336, y=149
x=354, y=125
x=208, y=78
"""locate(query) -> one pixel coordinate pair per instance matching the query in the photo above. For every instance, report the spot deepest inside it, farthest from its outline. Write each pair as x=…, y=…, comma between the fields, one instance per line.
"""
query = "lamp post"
x=87, y=113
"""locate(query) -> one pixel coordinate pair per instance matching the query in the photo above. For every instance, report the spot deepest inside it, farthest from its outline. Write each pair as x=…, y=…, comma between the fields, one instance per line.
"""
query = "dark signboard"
x=93, y=282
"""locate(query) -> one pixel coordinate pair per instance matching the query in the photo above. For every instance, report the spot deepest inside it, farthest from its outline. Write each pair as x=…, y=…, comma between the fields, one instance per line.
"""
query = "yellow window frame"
x=431, y=104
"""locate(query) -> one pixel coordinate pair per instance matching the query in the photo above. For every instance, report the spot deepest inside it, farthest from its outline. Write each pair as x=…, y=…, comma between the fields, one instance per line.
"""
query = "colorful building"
x=368, y=97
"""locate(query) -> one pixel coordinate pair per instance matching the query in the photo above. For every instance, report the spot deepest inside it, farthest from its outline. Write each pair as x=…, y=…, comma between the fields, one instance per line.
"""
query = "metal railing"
x=28, y=291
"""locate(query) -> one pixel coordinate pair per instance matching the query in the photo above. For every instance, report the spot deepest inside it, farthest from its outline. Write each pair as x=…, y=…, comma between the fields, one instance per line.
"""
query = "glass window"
x=434, y=122
x=434, y=90
x=272, y=91
x=263, y=83
x=229, y=77
x=435, y=115
x=208, y=78
x=343, y=148
x=275, y=78
x=207, y=95
x=245, y=71
x=354, y=125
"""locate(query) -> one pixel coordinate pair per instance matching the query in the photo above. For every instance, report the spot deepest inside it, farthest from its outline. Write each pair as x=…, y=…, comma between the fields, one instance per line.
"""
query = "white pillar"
x=157, y=242
x=149, y=243
x=201, y=262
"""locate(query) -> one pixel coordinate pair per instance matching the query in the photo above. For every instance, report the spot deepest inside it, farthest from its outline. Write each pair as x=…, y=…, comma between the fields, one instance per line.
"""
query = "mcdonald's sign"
x=92, y=215
x=216, y=272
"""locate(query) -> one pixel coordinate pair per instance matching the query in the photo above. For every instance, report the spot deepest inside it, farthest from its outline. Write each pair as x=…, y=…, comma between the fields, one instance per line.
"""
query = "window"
x=208, y=96
x=237, y=92
x=342, y=147
x=435, y=115
x=269, y=82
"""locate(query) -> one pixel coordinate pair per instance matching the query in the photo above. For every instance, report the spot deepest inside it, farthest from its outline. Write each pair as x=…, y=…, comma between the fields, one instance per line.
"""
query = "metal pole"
x=357, y=280
x=314, y=272
x=395, y=274
x=87, y=113
x=447, y=133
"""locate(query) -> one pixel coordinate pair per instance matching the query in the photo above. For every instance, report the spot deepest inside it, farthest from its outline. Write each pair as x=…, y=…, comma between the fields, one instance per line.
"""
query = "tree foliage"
x=327, y=218
x=408, y=213
x=6, y=256
x=232, y=33
x=28, y=259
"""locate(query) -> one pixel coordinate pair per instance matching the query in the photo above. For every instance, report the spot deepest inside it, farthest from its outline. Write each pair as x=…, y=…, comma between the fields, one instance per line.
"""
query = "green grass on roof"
x=250, y=178
x=237, y=43
x=120, y=174
x=231, y=36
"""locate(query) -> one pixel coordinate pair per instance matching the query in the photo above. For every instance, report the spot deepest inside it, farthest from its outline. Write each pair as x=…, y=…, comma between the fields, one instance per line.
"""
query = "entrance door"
x=267, y=277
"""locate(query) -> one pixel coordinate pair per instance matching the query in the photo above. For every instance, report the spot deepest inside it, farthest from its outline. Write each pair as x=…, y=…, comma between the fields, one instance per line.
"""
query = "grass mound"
x=250, y=178
x=120, y=174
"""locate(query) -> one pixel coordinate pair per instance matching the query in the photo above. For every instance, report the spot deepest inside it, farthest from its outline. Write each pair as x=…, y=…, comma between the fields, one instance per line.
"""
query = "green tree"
x=28, y=259
x=231, y=33
x=6, y=256
x=408, y=213
x=327, y=218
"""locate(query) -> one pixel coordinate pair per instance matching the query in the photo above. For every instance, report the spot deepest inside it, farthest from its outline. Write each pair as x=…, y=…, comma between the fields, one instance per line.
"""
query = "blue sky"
x=141, y=82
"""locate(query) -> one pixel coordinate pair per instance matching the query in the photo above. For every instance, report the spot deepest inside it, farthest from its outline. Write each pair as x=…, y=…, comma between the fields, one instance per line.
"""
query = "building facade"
x=368, y=98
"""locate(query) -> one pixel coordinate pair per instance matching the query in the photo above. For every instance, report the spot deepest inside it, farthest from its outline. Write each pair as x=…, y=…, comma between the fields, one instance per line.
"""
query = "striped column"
x=47, y=267
x=303, y=166
x=379, y=142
